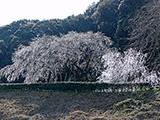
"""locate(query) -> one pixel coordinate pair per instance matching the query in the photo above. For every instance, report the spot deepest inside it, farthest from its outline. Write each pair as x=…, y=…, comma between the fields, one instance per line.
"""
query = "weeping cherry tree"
x=71, y=57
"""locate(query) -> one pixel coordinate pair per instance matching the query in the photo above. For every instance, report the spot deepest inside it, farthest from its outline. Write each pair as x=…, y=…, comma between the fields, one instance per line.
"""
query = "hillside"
x=49, y=105
x=132, y=24
x=23, y=31
x=141, y=29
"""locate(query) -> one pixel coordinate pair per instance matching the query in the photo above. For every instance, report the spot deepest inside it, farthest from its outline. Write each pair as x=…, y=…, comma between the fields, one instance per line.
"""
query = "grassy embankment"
x=49, y=105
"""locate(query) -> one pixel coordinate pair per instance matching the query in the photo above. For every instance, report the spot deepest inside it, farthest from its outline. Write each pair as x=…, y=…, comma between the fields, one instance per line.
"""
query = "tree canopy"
x=72, y=57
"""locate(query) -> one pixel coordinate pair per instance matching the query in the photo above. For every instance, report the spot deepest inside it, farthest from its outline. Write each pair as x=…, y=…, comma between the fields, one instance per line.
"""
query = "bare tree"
x=72, y=57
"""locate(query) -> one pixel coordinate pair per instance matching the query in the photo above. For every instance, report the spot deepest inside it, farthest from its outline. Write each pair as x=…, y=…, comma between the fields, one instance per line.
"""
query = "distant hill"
x=130, y=23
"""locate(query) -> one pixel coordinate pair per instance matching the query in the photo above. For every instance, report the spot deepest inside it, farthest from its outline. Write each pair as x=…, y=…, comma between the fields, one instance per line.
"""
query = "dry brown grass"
x=49, y=105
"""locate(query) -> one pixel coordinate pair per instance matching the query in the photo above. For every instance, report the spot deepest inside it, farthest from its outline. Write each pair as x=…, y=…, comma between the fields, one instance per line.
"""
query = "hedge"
x=78, y=86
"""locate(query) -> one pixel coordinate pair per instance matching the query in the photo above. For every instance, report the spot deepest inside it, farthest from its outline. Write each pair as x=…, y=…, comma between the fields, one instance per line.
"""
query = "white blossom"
x=72, y=57
x=127, y=67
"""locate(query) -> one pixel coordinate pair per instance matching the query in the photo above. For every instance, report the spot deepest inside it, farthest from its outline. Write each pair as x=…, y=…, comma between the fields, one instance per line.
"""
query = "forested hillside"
x=128, y=23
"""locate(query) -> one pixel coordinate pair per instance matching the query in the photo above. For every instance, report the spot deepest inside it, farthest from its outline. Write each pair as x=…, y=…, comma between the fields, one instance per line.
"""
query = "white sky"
x=11, y=10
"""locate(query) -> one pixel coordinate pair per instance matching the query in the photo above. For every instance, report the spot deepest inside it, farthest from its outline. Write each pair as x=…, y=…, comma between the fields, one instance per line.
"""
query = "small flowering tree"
x=126, y=67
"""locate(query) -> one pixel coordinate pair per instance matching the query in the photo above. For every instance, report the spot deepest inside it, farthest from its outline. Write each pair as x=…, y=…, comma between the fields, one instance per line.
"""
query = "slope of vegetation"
x=139, y=106
x=142, y=29
x=49, y=105
x=23, y=31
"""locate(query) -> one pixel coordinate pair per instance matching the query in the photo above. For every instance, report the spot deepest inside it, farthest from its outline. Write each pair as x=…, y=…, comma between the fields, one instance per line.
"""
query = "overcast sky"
x=11, y=10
